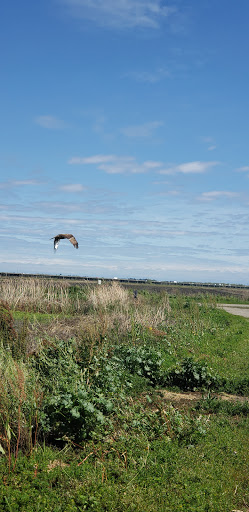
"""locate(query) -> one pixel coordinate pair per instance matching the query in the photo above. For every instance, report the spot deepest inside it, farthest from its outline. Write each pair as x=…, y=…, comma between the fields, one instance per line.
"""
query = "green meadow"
x=115, y=403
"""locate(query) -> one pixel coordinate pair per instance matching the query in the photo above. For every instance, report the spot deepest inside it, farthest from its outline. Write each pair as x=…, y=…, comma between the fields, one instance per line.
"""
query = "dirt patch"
x=56, y=464
x=236, y=309
x=185, y=399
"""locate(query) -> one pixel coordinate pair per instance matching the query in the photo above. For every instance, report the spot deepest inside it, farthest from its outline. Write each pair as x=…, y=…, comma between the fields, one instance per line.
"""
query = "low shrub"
x=74, y=413
x=160, y=421
x=80, y=395
x=190, y=375
x=216, y=405
x=239, y=386
x=144, y=361
x=77, y=399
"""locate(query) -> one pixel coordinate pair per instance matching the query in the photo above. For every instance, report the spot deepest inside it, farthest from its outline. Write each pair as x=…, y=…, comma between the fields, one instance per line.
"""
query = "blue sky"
x=125, y=122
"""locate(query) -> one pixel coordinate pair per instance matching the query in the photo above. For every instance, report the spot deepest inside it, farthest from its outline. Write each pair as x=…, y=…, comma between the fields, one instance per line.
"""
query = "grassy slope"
x=143, y=463
x=135, y=474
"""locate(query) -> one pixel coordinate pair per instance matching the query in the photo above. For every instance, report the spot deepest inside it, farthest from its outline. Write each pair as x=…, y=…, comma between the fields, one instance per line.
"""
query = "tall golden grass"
x=106, y=295
x=34, y=294
x=114, y=309
x=19, y=400
x=105, y=310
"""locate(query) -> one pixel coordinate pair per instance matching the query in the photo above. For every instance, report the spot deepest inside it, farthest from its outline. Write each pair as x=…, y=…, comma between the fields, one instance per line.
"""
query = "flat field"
x=115, y=402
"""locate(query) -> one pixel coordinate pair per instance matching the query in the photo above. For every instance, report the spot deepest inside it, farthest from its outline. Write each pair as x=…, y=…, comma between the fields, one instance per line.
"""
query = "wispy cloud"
x=18, y=183
x=152, y=164
x=151, y=77
x=245, y=168
x=120, y=13
x=73, y=187
x=117, y=164
x=161, y=182
x=196, y=167
x=50, y=122
x=96, y=159
x=217, y=194
x=211, y=143
x=99, y=122
x=113, y=164
x=125, y=165
x=167, y=193
x=142, y=130
x=179, y=63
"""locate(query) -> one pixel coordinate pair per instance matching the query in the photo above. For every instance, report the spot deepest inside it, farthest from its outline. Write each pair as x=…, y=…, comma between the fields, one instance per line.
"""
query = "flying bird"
x=71, y=239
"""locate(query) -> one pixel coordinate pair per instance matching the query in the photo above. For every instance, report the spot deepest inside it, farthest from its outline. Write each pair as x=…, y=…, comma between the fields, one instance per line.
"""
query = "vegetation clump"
x=191, y=375
x=8, y=334
x=82, y=412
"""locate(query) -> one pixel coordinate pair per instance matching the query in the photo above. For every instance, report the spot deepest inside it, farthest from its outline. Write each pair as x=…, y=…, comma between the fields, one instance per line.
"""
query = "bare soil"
x=181, y=399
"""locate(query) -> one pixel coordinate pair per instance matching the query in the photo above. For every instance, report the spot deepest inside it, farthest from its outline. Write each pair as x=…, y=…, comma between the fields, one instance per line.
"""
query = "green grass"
x=82, y=425
x=136, y=474
x=37, y=317
x=215, y=336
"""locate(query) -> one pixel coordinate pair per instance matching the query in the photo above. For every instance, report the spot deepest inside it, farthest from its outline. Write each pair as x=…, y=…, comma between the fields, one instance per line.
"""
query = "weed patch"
x=82, y=424
x=192, y=375
x=8, y=334
x=215, y=405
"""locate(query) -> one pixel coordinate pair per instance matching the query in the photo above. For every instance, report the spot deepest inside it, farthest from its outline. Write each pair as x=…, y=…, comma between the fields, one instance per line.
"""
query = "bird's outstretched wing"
x=73, y=241
x=56, y=243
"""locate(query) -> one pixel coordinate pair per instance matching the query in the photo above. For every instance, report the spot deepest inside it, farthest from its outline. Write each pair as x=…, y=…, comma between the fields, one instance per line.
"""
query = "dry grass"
x=152, y=315
x=104, y=296
x=34, y=294
x=112, y=311
x=19, y=398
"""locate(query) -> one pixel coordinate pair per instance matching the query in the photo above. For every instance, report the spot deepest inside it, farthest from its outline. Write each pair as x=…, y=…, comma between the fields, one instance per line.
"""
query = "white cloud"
x=73, y=187
x=245, y=168
x=120, y=13
x=208, y=139
x=50, y=122
x=168, y=193
x=142, y=130
x=151, y=164
x=18, y=183
x=212, y=148
x=196, y=167
x=217, y=194
x=124, y=165
x=96, y=159
x=112, y=164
